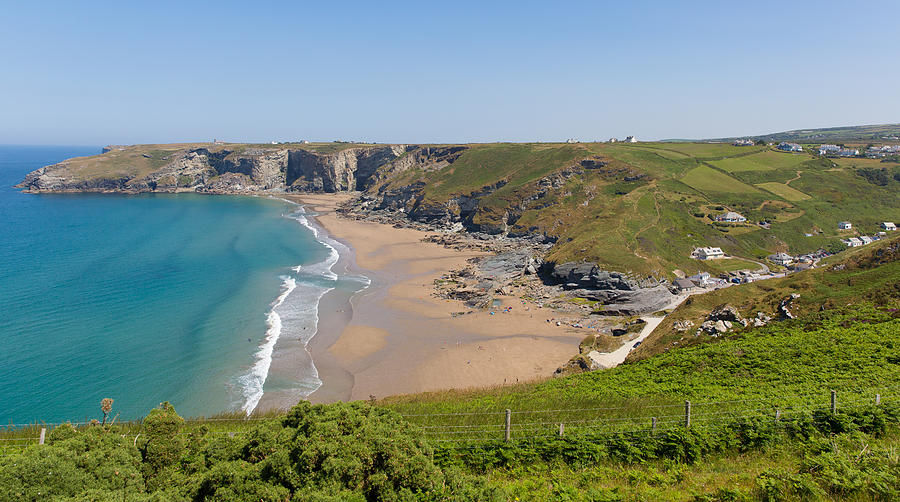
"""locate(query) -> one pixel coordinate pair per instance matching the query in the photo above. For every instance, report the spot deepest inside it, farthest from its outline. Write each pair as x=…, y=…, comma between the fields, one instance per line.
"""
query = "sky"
x=93, y=73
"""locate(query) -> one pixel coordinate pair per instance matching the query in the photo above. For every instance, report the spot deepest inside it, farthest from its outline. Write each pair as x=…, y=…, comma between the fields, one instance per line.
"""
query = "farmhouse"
x=853, y=242
x=844, y=225
x=743, y=142
x=782, y=259
x=613, y=140
x=630, y=139
x=866, y=239
x=888, y=226
x=731, y=217
x=708, y=253
x=789, y=147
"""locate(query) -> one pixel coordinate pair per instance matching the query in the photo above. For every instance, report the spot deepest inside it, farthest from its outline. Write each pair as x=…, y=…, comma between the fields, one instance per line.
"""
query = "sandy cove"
x=399, y=338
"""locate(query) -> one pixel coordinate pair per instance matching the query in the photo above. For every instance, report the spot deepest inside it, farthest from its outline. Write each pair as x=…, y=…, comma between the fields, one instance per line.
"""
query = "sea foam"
x=295, y=311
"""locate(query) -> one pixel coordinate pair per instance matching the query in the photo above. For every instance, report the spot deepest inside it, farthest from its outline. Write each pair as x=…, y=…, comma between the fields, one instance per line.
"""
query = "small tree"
x=106, y=406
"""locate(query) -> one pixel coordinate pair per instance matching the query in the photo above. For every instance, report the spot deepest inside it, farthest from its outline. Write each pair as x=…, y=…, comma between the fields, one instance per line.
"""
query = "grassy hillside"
x=854, y=279
x=651, y=204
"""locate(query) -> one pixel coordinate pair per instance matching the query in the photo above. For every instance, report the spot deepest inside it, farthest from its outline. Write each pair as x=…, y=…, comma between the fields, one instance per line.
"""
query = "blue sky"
x=113, y=72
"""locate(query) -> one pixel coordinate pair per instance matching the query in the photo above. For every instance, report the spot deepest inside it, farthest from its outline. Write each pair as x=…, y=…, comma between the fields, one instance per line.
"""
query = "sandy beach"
x=396, y=337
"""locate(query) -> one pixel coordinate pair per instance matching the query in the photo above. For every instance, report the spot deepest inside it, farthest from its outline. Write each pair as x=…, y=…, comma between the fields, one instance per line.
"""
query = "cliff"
x=215, y=169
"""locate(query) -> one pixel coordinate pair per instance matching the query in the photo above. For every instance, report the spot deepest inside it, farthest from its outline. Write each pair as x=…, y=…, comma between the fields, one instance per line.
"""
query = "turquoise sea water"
x=145, y=298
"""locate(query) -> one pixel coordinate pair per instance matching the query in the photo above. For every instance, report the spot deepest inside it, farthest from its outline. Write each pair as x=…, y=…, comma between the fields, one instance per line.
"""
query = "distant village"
x=828, y=150
x=788, y=262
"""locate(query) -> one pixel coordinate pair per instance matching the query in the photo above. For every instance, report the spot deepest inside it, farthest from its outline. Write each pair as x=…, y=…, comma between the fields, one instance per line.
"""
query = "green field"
x=703, y=150
x=784, y=191
x=707, y=179
x=763, y=161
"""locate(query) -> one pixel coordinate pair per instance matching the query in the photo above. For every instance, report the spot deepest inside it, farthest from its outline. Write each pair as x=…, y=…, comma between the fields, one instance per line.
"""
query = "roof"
x=684, y=283
x=781, y=256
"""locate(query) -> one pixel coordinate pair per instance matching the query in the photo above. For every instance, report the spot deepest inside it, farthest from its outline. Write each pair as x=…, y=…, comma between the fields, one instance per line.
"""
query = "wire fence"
x=449, y=429
x=466, y=428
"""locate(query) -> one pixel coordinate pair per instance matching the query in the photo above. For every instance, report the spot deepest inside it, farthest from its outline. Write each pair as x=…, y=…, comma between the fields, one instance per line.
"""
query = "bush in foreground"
x=323, y=452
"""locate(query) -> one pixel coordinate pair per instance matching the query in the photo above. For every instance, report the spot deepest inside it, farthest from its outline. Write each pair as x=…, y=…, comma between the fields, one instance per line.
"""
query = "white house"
x=701, y=278
x=866, y=239
x=889, y=226
x=743, y=142
x=853, y=242
x=708, y=253
x=613, y=140
x=572, y=140
x=789, y=147
x=731, y=217
x=844, y=225
x=782, y=259
x=630, y=139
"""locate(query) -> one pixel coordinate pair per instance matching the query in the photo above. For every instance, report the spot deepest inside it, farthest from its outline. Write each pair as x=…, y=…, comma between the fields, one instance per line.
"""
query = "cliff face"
x=204, y=169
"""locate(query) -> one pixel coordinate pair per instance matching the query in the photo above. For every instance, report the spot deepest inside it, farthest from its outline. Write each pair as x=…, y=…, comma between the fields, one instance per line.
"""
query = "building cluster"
x=789, y=147
x=862, y=240
x=837, y=151
x=744, y=142
x=880, y=152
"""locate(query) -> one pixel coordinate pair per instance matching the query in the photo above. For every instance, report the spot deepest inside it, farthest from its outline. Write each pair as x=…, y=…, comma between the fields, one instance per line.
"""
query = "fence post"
x=43, y=434
x=561, y=429
x=833, y=402
x=877, y=399
x=687, y=414
x=777, y=415
x=508, y=422
x=653, y=426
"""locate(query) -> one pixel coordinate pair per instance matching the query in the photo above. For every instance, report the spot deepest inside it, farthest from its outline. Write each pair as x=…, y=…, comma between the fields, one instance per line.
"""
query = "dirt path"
x=795, y=178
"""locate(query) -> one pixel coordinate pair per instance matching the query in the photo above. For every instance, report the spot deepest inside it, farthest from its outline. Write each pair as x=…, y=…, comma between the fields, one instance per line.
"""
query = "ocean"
x=149, y=298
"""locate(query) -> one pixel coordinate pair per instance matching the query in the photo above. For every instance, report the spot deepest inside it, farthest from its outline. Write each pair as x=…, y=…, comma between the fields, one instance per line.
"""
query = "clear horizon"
x=110, y=73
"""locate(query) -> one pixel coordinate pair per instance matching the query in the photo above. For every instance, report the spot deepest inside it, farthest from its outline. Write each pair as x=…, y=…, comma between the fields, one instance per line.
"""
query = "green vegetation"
x=706, y=179
x=735, y=447
x=767, y=160
x=784, y=191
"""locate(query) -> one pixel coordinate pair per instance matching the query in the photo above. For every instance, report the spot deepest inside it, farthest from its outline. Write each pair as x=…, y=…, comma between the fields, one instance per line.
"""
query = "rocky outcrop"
x=620, y=294
x=784, y=307
x=724, y=318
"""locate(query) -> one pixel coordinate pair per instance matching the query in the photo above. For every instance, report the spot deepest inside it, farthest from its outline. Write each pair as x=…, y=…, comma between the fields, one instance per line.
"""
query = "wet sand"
x=396, y=337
